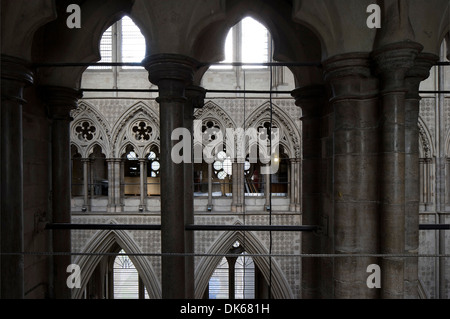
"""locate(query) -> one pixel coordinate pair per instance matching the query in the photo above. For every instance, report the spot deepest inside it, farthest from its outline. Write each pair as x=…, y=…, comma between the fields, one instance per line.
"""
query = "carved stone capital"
x=196, y=94
x=15, y=75
x=419, y=72
x=60, y=101
x=393, y=61
x=170, y=72
x=349, y=76
x=310, y=98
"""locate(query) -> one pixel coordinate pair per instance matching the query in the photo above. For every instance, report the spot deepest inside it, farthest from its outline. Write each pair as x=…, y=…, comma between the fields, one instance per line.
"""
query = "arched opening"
x=98, y=184
x=77, y=172
x=153, y=164
x=115, y=277
x=131, y=172
x=236, y=277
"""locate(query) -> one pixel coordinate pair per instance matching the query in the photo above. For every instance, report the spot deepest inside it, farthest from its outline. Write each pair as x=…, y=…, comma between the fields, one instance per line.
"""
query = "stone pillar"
x=355, y=159
x=292, y=181
x=210, y=206
x=195, y=99
x=120, y=184
x=60, y=101
x=111, y=185
x=414, y=76
x=14, y=77
x=86, y=169
x=312, y=100
x=267, y=181
x=172, y=73
x=393, y=62
x=142, y=181
x=237, y=205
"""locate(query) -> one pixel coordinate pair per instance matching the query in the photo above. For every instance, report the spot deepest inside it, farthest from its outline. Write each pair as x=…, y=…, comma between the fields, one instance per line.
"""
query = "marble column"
x=15, y=75
x=142, y=181
x=312, y=100
x=195, y=99
x=419, y=72
x=210, y=205
x=60, y=101
x=237, y=205
x=292, y=181
x=172, y=73
x=354, y=100
x=111, y=185
x=86, y=175
x=393, y=62
x=267, y=194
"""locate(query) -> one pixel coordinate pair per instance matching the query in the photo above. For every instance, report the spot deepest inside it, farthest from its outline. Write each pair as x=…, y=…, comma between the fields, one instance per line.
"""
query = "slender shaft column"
x=111, y=185
x=60, y=101
x=86, y=164
x=355, y=156
x=14, y=77
x=142, y=178
x=195, y=99
x=210, y=186
x=312, y=100
x=267, y=178
x=172, y=74
x=393, y=62
x=120, y=184
x=238, y=186
x=418, y=73
x=292, y=182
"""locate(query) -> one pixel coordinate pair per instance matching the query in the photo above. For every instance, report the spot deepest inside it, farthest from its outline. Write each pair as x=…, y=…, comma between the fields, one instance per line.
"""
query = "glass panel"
x=228, y=52
x=218, y=284
x=255, y=43
x=133, y=42
x=105, y=50
x=155, y=166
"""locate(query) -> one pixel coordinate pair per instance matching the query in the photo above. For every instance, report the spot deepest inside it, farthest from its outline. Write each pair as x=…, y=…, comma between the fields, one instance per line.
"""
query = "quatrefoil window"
x=142, y=131
x=86, y=131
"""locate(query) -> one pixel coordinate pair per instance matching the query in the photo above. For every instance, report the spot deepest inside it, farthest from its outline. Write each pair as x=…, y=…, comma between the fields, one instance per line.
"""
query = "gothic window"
x=142, y=131
x=122, y=42
x=126, y=278
x=153, y=164
x=248, y=42
x=223, y=165
x=233, y=275
x=85, y=131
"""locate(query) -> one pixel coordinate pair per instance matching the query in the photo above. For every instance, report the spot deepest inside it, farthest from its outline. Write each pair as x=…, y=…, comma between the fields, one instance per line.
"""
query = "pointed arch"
x=86, y=113
x=426, y=144
x=252, y=245
x=102, y=242
x=122, y=135
x=290, y=137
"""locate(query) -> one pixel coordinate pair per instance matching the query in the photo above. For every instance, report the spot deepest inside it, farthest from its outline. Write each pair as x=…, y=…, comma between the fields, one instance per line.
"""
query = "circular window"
x=155, y=166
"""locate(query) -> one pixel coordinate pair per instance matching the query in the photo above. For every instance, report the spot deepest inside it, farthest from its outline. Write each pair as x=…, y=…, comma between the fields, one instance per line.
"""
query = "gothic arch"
x=289, y=136
x=122, y=131
x=102, y=242
x=426, y=144
x=252, y=245
x=213, y=112
x=85, y=113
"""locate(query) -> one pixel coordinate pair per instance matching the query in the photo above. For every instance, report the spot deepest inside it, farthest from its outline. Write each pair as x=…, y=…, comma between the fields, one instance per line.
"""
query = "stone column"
x=14, y=77
x=355, y=104
x=238, y=186
x=312, y=100
x=111, y=185
x=86, y=169
x=195, y=99
x=60, y=101
x=292, y=182
x=210, y=205
x=172, y=73
x=393, y=62
x=267, y=181
x=143, y=176
x=120, y=184
x=419, y=72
